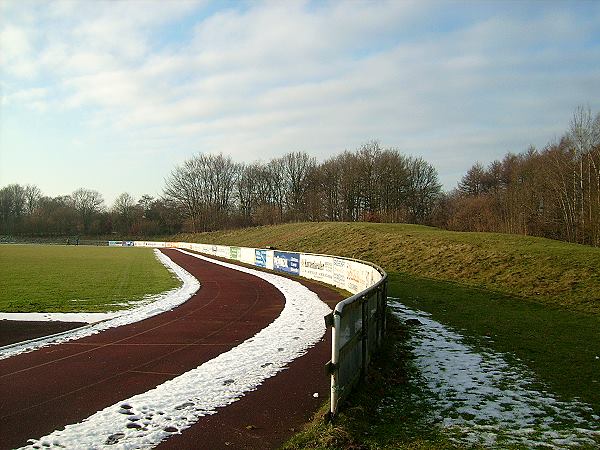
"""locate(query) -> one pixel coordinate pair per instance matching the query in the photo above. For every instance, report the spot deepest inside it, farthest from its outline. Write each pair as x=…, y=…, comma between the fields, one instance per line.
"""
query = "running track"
x=46, y=389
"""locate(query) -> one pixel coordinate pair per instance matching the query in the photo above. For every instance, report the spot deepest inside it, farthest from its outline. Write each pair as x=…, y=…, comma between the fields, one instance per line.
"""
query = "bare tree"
x=296, y=169
x=33, y=194
x=424, y=189
x=124, y=208
x=87, y=203
x=203, y=187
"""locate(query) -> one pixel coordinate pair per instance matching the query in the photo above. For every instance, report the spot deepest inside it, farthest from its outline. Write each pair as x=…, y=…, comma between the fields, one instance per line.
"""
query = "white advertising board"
x=248, y=255
x=222, y=251
x=360, y=276
x=317, y=267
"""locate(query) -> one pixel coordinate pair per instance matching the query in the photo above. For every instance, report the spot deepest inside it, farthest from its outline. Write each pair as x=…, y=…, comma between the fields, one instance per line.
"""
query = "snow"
x=482, y=398
x=149, y=307
x=146, y=419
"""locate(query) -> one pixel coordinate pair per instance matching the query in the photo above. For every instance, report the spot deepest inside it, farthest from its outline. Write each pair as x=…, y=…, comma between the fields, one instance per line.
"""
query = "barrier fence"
x=358, y=322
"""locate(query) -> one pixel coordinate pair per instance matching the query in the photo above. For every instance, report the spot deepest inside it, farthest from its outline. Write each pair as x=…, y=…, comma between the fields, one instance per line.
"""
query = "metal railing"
x=359, y=325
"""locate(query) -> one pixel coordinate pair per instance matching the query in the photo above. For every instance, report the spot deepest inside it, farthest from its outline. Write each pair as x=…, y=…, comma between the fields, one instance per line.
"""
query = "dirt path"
x=46, y=389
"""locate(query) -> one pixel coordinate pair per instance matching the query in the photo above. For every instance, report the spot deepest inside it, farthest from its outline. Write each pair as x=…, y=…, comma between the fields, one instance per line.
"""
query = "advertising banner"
x=222, y=251
x=317, y=267
x=149, y=244
x=235, y=253
x=260, y=258
x=248, y=255
x=361, y=276
x=340, y=272
x=287, y=262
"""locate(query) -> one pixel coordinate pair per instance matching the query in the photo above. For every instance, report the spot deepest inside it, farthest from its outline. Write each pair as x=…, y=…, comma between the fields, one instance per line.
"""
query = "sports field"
x=56, y=278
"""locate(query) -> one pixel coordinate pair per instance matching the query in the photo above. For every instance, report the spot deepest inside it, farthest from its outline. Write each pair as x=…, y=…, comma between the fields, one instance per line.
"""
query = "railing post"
x=365, y=335
x=335, y=362
x=380, y=312
x=384, y=331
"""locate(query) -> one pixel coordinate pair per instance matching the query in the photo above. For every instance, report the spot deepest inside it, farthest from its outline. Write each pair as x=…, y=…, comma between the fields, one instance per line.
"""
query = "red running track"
x=48, y=388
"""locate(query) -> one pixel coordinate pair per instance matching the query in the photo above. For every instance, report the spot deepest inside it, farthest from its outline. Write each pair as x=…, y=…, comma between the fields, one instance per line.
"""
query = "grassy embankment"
x=536, y=298
x=55, y=278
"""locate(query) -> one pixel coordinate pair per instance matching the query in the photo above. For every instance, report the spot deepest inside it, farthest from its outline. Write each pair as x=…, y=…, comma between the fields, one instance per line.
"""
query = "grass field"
x=56, y=278
x=535, y=298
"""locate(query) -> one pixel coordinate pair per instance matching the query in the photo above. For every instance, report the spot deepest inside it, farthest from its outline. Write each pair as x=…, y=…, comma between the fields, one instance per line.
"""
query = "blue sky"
x=112, y=95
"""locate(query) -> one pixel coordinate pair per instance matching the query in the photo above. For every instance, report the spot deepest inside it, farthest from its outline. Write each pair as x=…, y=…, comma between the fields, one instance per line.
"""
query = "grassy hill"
x=550, y=272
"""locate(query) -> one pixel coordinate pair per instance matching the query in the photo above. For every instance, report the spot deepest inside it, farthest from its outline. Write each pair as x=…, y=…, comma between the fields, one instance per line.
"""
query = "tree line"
x=553, y=192
x=24, y=210
x=210, y=192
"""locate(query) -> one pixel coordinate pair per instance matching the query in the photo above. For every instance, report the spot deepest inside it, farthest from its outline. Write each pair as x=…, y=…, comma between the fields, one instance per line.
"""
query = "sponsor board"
x=222, y=251
x=361, y=276
x=260, y=258
x=235, y=253
x=340, y=272
x=286, y=262
x=248, y=255
x=317, y=267
x=149, y=244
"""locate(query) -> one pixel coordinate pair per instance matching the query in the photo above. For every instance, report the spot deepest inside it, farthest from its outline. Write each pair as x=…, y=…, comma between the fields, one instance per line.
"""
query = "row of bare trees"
x=210, y=192
x=24, y=210
x=553, y=193
x=372, y=183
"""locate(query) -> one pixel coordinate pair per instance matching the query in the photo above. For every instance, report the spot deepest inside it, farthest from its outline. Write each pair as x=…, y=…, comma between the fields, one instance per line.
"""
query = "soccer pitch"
x=56, y=278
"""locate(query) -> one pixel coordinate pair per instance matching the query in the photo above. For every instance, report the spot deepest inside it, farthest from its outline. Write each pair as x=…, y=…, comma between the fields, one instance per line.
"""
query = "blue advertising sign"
x=287, y=262
x=260, y=258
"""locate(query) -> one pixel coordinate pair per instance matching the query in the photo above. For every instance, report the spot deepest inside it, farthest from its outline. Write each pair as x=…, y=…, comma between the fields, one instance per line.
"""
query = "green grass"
x=542, y=270
x=560, y=346
x=56, y=278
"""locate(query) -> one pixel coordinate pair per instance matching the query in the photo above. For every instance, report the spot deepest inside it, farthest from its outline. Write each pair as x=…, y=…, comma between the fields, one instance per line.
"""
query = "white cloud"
x=259, y=79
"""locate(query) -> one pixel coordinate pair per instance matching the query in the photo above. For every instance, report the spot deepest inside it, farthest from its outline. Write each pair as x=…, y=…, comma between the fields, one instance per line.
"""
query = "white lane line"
x=144, y=420
x=154, y=306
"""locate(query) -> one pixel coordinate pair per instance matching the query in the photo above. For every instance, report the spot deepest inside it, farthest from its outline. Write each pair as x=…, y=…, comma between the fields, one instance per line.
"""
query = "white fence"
x=358, y=322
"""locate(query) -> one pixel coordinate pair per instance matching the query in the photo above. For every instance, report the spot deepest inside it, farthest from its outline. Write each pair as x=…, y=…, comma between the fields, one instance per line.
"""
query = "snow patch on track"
x=483, y=399
x=146, y=419
x=154, y=305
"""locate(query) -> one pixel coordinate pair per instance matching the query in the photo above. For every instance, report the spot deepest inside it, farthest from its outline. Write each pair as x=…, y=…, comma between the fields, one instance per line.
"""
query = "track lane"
x=45, y=389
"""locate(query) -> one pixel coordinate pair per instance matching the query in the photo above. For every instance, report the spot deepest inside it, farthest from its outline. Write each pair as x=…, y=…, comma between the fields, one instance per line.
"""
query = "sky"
x=112, y=95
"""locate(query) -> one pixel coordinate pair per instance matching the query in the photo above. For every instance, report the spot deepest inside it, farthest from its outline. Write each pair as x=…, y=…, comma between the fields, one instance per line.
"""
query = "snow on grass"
x=149, y=307
x=481, y=398
x=146, y=419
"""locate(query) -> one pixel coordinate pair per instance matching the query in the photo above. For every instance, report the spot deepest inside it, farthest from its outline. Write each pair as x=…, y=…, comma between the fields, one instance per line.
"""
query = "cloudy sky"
x=112, y=95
